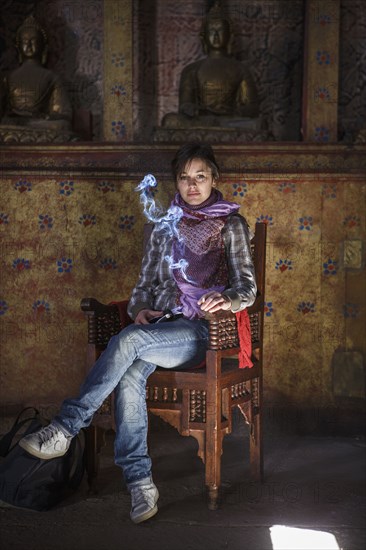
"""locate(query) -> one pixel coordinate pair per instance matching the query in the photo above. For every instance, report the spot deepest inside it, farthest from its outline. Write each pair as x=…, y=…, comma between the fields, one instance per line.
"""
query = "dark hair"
x=191, y=151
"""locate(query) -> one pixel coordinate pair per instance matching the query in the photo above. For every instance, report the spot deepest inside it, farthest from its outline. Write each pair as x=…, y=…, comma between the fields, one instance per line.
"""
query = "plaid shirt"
x=156, y=288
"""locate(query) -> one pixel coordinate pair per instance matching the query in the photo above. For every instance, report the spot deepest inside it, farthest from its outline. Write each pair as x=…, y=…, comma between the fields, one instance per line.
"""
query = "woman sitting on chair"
x=217, y=274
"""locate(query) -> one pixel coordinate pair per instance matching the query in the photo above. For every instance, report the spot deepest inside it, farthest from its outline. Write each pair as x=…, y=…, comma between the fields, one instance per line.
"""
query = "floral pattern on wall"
x=64, y=239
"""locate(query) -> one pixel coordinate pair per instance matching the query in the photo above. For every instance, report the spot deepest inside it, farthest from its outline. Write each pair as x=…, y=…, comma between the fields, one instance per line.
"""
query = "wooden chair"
x=196, y=402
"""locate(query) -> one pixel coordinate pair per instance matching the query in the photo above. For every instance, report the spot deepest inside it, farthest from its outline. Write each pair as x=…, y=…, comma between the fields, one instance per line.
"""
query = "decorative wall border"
x=131, y=160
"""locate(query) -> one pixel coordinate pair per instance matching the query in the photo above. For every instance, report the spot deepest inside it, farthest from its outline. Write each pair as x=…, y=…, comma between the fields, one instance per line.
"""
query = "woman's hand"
x=214, y=301
x=144, y=316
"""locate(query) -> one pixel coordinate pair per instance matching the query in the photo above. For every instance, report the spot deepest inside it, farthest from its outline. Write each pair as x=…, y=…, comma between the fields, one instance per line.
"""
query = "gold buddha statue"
x=217, y=91
x=34, y=106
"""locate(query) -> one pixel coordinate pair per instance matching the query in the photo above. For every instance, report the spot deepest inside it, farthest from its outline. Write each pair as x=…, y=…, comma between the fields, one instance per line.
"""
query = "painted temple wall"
x=67, y=235
x=71, y=224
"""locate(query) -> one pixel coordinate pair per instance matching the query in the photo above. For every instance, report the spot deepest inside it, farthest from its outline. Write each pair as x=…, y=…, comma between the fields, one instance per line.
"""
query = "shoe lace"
x=47, y=433
x=140, y=495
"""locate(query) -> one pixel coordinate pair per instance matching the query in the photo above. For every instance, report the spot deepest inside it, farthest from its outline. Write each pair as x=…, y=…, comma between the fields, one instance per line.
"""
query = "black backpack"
x=30, y=482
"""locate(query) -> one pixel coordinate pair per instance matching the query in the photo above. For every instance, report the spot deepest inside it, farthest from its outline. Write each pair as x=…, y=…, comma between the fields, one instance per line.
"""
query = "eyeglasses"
x=199, y=178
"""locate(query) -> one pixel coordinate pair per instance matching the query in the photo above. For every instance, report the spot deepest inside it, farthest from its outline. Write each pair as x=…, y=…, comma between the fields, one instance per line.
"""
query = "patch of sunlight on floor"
x=294, y=538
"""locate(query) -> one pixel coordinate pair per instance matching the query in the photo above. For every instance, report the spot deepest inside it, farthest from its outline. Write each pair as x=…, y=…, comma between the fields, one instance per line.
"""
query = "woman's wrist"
x=227, y=300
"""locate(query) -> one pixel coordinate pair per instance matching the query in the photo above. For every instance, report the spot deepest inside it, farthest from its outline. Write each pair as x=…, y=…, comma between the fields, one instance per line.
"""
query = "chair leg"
x=94, y=441
x=213, y=451
x=213, y=469
x=213, y=497
x=256, y=436
x=256, y=459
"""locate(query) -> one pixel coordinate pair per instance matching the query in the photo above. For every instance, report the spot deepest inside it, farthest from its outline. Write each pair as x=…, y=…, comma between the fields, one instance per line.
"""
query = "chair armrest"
x=92, y=306
x=104, y=320
x=223, y=332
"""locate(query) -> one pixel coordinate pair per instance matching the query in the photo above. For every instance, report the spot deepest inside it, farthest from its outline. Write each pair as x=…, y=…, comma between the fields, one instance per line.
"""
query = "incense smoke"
x=167, y=221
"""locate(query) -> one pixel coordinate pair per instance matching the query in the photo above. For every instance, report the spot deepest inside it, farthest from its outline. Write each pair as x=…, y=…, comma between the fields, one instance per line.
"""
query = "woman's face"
x=195, y=182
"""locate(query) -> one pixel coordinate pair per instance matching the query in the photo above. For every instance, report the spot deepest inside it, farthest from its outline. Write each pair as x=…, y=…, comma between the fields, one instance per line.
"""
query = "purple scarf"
x=203, y=248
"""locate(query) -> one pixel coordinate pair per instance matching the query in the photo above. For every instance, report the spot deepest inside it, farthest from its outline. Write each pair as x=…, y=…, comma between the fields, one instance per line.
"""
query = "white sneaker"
x=49, y=442
x=144, y=497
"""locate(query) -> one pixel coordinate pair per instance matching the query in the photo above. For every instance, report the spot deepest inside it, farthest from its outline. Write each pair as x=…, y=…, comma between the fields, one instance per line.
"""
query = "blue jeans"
x=130, y=357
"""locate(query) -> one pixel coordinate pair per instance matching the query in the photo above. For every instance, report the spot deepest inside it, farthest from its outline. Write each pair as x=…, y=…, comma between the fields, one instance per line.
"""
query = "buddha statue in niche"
x=217, y=91
x=34, y=105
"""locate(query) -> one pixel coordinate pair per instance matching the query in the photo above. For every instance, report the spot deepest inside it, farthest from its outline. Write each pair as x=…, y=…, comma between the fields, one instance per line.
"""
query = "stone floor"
x=314, y=487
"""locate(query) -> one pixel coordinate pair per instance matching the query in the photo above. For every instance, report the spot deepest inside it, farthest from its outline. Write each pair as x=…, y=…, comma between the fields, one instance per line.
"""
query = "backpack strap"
x=5, y=441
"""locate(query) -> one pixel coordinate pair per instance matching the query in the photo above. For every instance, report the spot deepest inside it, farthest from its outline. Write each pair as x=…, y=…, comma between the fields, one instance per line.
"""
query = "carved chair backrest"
x=105, y=322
